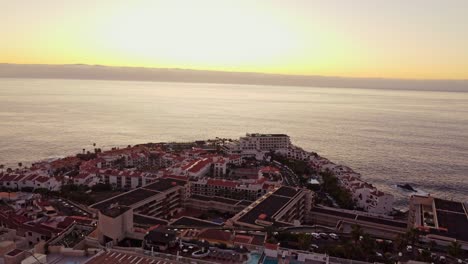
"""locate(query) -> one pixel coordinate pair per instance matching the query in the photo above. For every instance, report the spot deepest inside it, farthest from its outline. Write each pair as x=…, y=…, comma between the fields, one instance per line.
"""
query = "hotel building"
x=442, y=221
x=283, y=206
x=264, y=142
x=161, y=199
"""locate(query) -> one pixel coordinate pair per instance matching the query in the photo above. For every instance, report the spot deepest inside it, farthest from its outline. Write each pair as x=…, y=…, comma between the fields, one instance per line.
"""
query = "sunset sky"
x=366, y=38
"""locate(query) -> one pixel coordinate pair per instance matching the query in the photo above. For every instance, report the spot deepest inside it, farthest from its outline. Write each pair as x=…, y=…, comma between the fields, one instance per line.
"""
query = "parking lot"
x=322, y=240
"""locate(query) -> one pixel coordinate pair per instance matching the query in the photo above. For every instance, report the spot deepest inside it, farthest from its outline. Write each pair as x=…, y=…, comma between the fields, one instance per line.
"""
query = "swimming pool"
x=270, y=260
x=254, y=258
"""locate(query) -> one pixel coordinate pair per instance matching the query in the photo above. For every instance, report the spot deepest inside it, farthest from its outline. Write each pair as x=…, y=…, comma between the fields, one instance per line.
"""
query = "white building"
x=220, y=167
x=197, y=168
x=366, y=195
x=264, y=142
x=294, y=152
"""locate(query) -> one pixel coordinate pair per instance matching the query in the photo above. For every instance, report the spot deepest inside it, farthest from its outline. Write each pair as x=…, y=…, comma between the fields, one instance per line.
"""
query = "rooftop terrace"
x=449, y=205
x=114, y=211
x=270, y=206
x=164, y=184
x=193, y=222
x=128, y=199
x=143, y=220
x=286, y=191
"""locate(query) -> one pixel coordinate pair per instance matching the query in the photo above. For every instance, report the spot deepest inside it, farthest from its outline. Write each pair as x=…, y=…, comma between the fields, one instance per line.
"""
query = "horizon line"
x=234, y=72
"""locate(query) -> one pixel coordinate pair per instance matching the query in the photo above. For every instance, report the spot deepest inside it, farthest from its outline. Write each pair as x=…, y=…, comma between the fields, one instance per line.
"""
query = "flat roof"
x=270, y=206
x=14, y=252
x=112, y=257
x=354, y=216
x=114, y=211
x=449, y=205
x=214, y=198
x=193, y=222
x=455, y=223
x=286, y=191
x=128, y=199
x=147, y=220
x=164, y=184
x=452, y=219
x=382, y=221
x=266, y=135
x=245, y=203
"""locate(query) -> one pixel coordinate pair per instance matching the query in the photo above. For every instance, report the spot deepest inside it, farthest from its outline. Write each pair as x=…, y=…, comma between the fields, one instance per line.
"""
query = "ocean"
x=389, y=136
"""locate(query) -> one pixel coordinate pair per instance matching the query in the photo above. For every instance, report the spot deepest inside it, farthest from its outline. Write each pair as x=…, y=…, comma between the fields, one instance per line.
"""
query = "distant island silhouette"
x=99, y=72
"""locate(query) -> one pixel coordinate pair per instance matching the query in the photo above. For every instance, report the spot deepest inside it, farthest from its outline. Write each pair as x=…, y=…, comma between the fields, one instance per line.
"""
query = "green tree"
x=304, y=241
x=454, y=249
x=332, y=186
x=367, y=244
x=413, y=236
x=401, y=241
x=425, y=256
x=356, y=232
x=432, y=245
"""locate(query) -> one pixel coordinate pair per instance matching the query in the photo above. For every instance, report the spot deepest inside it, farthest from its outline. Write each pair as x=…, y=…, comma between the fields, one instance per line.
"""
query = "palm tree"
x=425, y=256
x=413, y=236
x=304, y=241
x=432, y=245
x=401, y=241
x=454, y=249
x=356, y=232
x=367, y=245
x=20, y=164
x=2, y=167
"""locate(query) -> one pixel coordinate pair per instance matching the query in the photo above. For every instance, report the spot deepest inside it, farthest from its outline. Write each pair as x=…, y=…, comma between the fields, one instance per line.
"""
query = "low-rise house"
x=220, y=167
x=160, y=238
x=197, y=168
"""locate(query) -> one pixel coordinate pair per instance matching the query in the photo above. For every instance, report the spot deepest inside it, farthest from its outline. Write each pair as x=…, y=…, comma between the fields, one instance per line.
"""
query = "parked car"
x=334, y=236
x=323, y=235
x=316, y=235
x=409, y=248
x=314, y=246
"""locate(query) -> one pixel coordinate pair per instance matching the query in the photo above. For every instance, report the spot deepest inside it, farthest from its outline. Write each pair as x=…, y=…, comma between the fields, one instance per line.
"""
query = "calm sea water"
x=389, y=136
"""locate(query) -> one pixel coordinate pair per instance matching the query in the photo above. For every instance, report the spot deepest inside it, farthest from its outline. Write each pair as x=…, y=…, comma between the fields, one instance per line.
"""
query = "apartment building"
x=228, y=189
x=125, y=179
x=294, y=152
x=221, y=204
x=264, y=142
x=161, y=199
x=283, y=206
x=442, y=221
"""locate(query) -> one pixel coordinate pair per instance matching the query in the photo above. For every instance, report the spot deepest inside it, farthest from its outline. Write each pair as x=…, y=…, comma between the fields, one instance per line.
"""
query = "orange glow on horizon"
x=301, y=39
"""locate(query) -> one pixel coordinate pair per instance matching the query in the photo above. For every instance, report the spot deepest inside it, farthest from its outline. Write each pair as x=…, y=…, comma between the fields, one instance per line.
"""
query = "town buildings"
x=439, y=220
x=264, y=142
x=365, y=195
x=217, y=193
x=282, y=206
x=161, y=199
